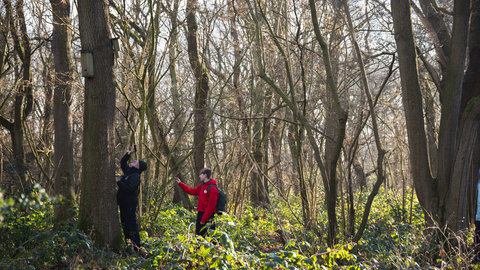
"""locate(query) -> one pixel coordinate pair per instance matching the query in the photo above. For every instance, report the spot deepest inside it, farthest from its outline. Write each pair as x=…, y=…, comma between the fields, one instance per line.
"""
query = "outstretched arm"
x=192, y=191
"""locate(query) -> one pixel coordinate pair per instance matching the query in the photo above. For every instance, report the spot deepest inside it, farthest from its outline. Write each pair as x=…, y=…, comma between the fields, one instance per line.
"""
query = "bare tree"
x=329, y=178
x=443, y=198
x=24, y=92
x=173, y=53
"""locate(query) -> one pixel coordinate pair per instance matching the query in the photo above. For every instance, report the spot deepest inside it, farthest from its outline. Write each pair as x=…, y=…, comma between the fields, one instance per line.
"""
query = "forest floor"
x=271, y=238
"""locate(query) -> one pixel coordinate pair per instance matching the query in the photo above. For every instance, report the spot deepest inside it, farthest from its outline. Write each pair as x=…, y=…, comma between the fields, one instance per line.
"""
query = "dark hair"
x=206, y=171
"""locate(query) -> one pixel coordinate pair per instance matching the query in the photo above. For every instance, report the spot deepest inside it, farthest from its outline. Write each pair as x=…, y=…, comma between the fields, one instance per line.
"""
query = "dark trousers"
x=477, y=239
x=203, y=229
x=128, y=217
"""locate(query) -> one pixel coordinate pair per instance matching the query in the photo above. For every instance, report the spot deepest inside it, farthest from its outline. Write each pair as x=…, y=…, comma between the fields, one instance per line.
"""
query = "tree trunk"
x=471, y=89
x=179, y=195
x=63, y=158
x=329, y=176
x=4, y=29
x=201, y=90
x=431, y=129
x=23, y=104
x=448, y=186
x=442, y=198
x=98, y=208
x=331, y=121
x=380, y=152
x=412, y=101
x=47, y=134
x=244, y=129
x=438, y=31
x=258, y=196
x=275, y=145
x=456, y=201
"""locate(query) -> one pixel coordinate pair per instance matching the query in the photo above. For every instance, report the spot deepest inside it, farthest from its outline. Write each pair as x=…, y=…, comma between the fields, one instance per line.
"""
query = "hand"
x=201, y=223
x=177, y=180
x=116, y=179
x=134, y=149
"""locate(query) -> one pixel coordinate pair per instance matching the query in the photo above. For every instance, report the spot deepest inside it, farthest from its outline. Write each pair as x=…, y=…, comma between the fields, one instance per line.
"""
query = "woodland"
x=343, y=132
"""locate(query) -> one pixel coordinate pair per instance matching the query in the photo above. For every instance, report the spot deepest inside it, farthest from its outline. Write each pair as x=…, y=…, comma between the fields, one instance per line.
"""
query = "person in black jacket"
x=127, y=197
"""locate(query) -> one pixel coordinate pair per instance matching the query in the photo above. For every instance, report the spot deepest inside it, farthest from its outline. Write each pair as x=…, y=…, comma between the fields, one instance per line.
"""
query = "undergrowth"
x=29, y=239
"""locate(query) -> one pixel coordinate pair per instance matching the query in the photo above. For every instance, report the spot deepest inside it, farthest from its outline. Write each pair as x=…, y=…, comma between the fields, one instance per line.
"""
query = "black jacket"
x=127, y=193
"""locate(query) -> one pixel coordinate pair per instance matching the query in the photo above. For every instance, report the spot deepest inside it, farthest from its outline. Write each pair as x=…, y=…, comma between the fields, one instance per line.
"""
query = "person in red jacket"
x=207, y=200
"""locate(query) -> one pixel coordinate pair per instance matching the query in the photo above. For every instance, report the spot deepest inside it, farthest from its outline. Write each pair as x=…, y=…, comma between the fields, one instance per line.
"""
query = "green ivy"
x=30, y=240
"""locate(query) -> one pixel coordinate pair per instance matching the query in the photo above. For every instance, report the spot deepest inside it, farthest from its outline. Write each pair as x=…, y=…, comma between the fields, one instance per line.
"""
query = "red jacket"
x=207, y=201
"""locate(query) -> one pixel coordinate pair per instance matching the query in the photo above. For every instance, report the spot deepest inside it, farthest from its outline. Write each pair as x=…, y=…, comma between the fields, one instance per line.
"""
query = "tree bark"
x=202, y=88
x=449, y=122
x=275, y=145
x=258, y=196
x=456, y=202
x=411, y=96
x=439, y=31
x=441, y=198
x=47, y=134
x=98, y=208
x=63, y=159
x=471, y=89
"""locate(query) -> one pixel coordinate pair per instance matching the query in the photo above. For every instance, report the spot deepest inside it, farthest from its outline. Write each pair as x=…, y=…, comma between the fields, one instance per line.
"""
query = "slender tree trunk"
x=293, y=153
x=258, y=196
x=179, y=195
x=63, y=159
x=4, y=29
x=202, y=87
x=47, y=137
x=431, y=128
x=438, y=31
x=275, y=145
x=244, y=128
x=329, y=177
x=380, y=151
x=331, y=121
x=412, y=101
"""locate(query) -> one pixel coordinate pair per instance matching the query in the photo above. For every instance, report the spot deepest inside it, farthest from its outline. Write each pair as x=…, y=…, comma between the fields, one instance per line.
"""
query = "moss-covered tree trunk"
x=98, y=207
